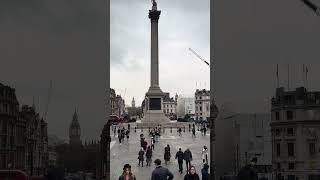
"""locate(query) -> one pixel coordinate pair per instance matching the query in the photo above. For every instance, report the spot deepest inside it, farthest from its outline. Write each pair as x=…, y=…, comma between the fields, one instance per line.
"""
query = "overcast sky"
x=62, y=41
x=182, y=25
x=250, y=38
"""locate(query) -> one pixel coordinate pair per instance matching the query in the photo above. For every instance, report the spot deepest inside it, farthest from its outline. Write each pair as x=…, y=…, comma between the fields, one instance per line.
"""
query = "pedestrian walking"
x=193, y=132
x=180, y=130
x=128, y=126
x=141, y=156
x=149, y=156
x=188, y=158
x=127, y=173
x=205, y=154
x=135, y=129
x=145, y=145
x=167, y=154
x=120, y=138
x=192, y=175
x=152, y=143
x=204, y=130
x=205, y=172
x=161, y=173
x=127, y=134
x=119, y=131
x=115, y=131
x=179, y=157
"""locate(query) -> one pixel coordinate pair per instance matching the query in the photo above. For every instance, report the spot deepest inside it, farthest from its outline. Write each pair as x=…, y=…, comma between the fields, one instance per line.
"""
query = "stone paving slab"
x=127, y=152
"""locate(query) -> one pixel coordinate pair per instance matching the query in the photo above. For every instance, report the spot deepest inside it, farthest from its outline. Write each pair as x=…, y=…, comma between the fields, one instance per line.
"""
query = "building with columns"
x=202, y=104
x=295, y=127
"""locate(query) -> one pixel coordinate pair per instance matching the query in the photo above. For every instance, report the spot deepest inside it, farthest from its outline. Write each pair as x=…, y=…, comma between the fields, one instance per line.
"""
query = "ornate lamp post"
x=213, y=115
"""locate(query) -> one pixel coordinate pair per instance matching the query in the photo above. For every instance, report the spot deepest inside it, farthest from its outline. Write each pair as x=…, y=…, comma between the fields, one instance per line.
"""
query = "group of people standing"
x=122, y=132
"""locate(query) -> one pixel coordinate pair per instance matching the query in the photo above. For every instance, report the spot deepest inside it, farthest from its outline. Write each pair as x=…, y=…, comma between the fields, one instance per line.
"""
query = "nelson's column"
x=154, y=111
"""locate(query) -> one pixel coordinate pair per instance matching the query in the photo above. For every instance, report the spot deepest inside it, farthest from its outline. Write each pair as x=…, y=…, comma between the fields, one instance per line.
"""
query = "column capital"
x=154, y=15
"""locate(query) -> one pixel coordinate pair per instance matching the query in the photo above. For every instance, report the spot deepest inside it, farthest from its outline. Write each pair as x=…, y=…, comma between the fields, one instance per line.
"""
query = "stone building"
x=202, y=104
x=240, y=137
x=113, y=103
x=169, y=105
x=75, y=156
x=23, y=137
x=295, y=126
x=9, y=115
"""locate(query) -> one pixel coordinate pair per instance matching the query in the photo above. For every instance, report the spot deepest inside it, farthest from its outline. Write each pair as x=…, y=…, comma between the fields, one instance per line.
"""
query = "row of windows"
x=290, y=132
x=200, y=108
x=290, y=149
x=167, y=110
x=289, y=115
x=168, y=105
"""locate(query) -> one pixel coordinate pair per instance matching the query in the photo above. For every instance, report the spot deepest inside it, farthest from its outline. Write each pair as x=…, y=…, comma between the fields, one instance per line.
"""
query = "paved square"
x=127, y=152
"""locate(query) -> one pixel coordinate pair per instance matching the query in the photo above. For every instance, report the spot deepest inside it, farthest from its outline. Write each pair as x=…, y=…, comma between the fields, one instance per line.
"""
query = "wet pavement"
x=127, y=152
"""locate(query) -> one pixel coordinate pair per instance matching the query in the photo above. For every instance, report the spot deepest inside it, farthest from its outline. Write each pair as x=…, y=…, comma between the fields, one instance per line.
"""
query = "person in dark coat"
x=127, y=173
x=192, y=174
x=205, y=172
x=188, y=158
x=127, y=134
x=161, y=173
x=193, y=132
x=167, y=154
x=180, y=156
x=145, y=145
x=248, y=172
x=141, y=156
x=149, y=156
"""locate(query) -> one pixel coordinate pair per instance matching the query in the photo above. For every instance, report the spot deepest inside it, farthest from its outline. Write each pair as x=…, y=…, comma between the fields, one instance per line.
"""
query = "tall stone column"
x=154, y=15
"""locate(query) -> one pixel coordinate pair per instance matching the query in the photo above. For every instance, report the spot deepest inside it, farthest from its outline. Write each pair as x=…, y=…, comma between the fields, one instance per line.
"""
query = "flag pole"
x=303, y=75
x=288, y=79
x=277, y=75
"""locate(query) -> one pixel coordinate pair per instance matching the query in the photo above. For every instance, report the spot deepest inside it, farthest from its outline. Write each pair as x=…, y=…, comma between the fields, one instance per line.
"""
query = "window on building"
x=312, y=148
x=279, y=166
x=289, y=115
x=277, y=132
x=5, y=108
x=200, y=97
x=200, y=102
x=171, y=110
x=291, y=165
x=200, y=108
x=290, y=149
x=200, y=114
x=278, y=149
x=277, y=115
x=290, y=131
x=291, y=177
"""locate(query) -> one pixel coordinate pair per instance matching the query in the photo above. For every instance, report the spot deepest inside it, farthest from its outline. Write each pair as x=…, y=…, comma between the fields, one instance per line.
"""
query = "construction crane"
x=312, y=6
x=48, y=101
x=199, y=56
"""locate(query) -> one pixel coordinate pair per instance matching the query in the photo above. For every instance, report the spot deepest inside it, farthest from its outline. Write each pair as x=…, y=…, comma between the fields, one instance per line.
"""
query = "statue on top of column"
x=154, y=3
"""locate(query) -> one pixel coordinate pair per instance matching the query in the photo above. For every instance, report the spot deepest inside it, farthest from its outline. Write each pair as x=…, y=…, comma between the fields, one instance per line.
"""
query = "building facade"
x=169, y=105
x=23, y=135
x=295, y=126
x=202, y=104
x=241, y=137
x=185, y=105
x=113, y=103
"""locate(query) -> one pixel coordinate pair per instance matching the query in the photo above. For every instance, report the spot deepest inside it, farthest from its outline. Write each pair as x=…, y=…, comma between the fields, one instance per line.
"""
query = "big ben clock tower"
x=75, y=131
